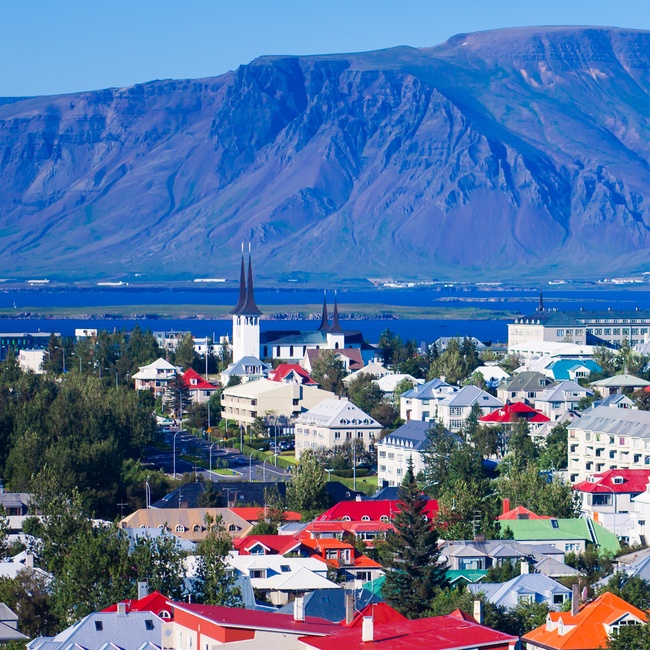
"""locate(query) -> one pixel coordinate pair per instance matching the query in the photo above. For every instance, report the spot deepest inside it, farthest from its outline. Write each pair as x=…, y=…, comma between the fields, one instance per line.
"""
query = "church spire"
x=242, y=286
x=250, y=308
x=541, y=301
x=336, y=326
x=324, y=322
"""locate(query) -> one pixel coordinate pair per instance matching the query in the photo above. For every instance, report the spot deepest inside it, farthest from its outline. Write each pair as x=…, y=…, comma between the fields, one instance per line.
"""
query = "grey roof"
x=620, y=381
x=553, y=318
x=507, y=594
x=616, y=400
x=561, y=392
x=411, y=435
x=330, y=603
x=554, y=568
x=428, y=390
x=153, y=533
x=14, y=499
x=127, y=631
x=625, y=422
x=470, y=395
x=528, y=381
x=239, y=367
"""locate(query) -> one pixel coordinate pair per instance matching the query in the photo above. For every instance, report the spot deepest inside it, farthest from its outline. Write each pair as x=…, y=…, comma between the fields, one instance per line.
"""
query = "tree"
x=554, y=455
x=185, y=355
x=521, y=449
x=4, y=534
x=328, y=370
x=214, y=585
x=364, y=392
x=307, y=489
x=642, y=399
x=402, y=387
x=28, y=594
x=631, y=636
x=633, y=590
x=159, y=561
x=413, y=572
x=275, y=507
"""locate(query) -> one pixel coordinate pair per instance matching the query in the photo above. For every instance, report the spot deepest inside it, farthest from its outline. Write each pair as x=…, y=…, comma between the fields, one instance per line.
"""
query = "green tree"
x=413, y=572
x=184, y=354
x=214, y=585
x=275, y=507
x=554, y=454
x=307, y=490
x=633, y=590
x=635, y=637
x=159, y=561
x=364, y=392
x=449, y=364
x=521, y=449
x=328, y=370
x=402, y=387
x=28, y=594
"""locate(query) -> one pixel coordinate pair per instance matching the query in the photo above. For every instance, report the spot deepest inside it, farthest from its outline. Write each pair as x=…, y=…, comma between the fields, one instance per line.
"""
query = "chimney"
x=368, y=629
x=575, y=598
x=505, y=507
x=358, y=497
x=349, y=607
x=478, y=611
x=29, y=561
x=121, y=609
x=299, y=608
x=143, y=590
x=525, y=567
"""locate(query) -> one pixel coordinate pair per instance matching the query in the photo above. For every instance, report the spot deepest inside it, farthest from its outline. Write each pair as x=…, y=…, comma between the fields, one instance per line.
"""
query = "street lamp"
x=264, y=469
x=250, y=467
x=212, y=445
x=116, y=377
x=74, y=354
x=56, y=347
x=180, y=404
x=174, y=452
x=329, y=474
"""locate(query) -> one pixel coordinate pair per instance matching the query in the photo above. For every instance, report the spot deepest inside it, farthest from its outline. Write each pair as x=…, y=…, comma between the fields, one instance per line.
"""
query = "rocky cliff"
x=514, y=153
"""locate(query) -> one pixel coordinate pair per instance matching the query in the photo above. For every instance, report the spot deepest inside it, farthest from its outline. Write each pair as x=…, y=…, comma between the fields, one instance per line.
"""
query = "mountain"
x=519, y=153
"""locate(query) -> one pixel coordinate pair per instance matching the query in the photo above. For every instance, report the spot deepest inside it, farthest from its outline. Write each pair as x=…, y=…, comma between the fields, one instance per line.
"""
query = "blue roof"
x=562, y=367
x=425, y=391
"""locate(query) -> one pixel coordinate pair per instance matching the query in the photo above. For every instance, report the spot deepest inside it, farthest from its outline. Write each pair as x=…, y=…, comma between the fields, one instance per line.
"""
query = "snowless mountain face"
x=508, y=154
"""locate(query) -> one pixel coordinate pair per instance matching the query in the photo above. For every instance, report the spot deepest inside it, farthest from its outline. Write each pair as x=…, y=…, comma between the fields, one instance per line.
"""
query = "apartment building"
x=454, y=409
x=421, y=403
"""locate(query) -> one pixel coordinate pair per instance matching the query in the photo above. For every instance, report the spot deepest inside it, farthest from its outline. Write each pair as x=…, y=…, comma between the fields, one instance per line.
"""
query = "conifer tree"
x=413, y=574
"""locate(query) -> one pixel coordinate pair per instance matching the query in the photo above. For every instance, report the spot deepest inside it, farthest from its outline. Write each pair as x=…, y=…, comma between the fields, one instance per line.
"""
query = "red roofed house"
x=519, y=512
x=202, y=627
x=370, y=510
x=351, y=359
x=607, y=497
x=587, y=628
x=436, y=633
x=199, y=389
x=367, y=531
x=381, y=613
x=291, y=373
x=154, y=602
x=255, y=514
x=267, y=545
x=510, y=414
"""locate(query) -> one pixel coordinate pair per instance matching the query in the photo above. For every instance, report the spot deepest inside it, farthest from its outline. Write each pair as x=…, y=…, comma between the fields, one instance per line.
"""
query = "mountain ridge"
x=507, y=153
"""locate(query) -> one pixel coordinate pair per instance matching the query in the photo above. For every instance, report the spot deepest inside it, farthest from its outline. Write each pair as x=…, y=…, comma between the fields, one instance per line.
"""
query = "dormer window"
x=180, y=528
x=617, y=480
x=365, y=518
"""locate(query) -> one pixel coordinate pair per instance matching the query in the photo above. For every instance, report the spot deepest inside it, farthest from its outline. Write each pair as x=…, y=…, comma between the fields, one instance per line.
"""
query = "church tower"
x=246, y=317
x=335, y=334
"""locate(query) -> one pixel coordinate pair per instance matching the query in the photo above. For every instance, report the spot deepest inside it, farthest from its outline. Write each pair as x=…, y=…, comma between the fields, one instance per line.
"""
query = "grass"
x=367, y=484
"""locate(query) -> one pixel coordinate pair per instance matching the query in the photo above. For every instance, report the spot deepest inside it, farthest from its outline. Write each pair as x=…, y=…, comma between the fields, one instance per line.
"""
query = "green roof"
x=579, y=529
x=375, y=585
x=469, y=576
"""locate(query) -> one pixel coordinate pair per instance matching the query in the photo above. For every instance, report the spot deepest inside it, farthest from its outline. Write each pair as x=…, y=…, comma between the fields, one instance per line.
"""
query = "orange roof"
x=585, y=630
x=327, y=543
x=255, y=514
x=520, y=513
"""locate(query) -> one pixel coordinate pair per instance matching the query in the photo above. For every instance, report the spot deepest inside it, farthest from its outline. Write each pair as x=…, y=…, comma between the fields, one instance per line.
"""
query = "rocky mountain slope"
x=513, y=153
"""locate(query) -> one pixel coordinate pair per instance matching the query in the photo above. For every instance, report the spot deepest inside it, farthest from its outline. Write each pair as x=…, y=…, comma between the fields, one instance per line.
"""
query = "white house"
x=556, y=400
x=333, y=422
x=421, y=403
x=454, y=409
x=395, y=450
x=156, y=376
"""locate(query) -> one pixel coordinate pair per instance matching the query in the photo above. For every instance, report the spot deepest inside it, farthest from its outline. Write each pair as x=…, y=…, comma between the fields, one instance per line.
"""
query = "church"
x=256, y=350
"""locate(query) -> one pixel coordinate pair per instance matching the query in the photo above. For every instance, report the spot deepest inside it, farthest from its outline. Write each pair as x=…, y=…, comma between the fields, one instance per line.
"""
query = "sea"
x=496, y=298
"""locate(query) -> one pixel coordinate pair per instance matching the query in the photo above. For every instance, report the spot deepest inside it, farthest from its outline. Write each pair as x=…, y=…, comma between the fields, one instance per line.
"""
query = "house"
x=526, y=588
x=32, y=361
x=280, y=578
x=388, y=383
x=374, y=368
x=567, y=535
x=608, y=438
x=421, y=403
x=243, y=403
x=572, y=369
x=335, y=605
x=542, y=432
x=615, y=401
x=492, y=375
x=9, y=626
x=291, y=373
x=607, y=498
x=443, y=342
x=583, y=327
x=618, y=384
x=556, y=400
x=23, y=561
x=510, y=414
x=254, y=514
x=351, y=358
x=198, y=388
x=186, y=523
x=134, y=630
x=156, y=376
x=366, y=531
x=154, y=602
x=333, y=422
x=196, y=627
x=640, y=515
x=453, y=632
x=396, y=449
x=246, y=369
x=588, y=627
x=454, y=409
x=371, y=510
x=267, y=545
x=523, y=387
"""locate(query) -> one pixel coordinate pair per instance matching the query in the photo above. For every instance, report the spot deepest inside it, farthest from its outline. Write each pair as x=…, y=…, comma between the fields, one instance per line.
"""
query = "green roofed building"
x=565, y=534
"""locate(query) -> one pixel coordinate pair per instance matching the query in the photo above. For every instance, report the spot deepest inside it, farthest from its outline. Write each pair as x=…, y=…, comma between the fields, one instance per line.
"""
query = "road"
x=189, y=445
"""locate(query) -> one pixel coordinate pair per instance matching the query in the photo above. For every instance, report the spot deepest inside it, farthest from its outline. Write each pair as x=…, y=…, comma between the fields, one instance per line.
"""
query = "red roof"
x=276, y=544
x=436, y=633
x=382, y=613
x=353, y=354
x=284, y=369
x=252, y=619
x=155, y=602
x=634, y=481
x=520, y=513
x=373, y=510
x=194, y=381
x=257, y=514
x=513, y=412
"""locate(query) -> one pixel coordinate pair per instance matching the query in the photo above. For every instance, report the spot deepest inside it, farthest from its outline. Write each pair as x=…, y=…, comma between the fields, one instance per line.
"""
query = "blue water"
x=522, y=300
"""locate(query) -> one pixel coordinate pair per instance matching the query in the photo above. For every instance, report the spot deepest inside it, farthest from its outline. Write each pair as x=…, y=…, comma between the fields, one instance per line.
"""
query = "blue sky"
x=60, y=46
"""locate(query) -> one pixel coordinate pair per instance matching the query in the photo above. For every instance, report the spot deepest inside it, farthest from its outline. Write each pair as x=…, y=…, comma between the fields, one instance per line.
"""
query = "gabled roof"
x=154, y=602
x=563, y=392
x=520, y=513
x=257, y=514
x=562, y=368
x=507, y=594
x=337, y=413
x=388, y=383
x=374, y=510
x=527, y=381
x=193, y=381
x=431, y=390
x=330, y=603
x=470, y=395
x=621, y=381
x=381, y=613
x=411, y=435
x=621, y=481
x=274, y=544
x=587, y=628
x=436, y=633
x=290, y=371
x=513, y=412
x=624, y=422
x=353, y=354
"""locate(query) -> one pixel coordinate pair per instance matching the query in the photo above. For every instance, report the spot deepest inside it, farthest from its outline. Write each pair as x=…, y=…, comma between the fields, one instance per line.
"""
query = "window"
x=526, y=598
x=232, y=528
x=148, y=624
x=180, y=528
x=384, y=519
x=365, y=518
x=558, y=599
x=559, y=333
x=197, y=528
x=285, y=568
x=99, y=626
x=601, y=499
x=258, y=573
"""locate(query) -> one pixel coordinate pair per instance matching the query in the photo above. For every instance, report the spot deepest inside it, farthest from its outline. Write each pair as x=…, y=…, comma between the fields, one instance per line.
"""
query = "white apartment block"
x=454, y=409
x=421, y=403
x=334, y=422
x=608, y=438
x=395, y=450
